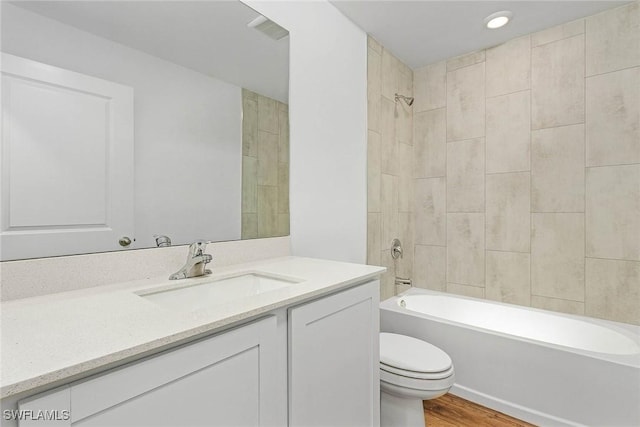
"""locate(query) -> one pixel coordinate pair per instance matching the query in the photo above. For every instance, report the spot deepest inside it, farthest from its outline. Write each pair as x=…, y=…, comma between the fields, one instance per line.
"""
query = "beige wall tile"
x=374, y=89
x=406, y=73
x=509, y=67
x=389, y=201
x=404, y=112
x=557, y=169
x=429, y=85
x=613, y=39
x=374, y=172
x=374, y=74
x=557, y=83
x=508, y=225
x=387, y=280
x=267, y=115
x=404, y=122
x=283, y=134
x=283, y=224
x=465, y=103
x=249, y=184
x=249, y=226
x=558, y=32
x=249, y=124
x=389, y=143
x=430, y=211
x=465, y=248
x=430, y=267
x=557, y=304
x=283, y=188
x=508, y=132
x=405, y=177
x=267, y=158
x=613, y=118
x=400, y=288
x=373, y=44
x=374, y=238
x=465, y=290
x=465, y=60
x=247, y=94
x=374, y=114
x=613, y=290
x=612, y=215
x=465, y=176
x=508, y=278
x=404, y=265
x=430, y=143
x=389, y=75
x=557, y=255
x=267, y=211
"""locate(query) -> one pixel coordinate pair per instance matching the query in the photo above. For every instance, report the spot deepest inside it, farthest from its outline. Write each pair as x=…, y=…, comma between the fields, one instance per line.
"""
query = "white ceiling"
x=423, y=32
x=207, y=36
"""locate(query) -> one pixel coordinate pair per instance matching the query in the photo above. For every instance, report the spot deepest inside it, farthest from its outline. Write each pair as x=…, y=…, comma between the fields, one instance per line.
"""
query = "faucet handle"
x=396, y=249
x=198, y=247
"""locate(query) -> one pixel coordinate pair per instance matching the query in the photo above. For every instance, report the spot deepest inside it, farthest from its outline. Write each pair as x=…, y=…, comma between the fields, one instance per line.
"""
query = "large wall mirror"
x=127, y=124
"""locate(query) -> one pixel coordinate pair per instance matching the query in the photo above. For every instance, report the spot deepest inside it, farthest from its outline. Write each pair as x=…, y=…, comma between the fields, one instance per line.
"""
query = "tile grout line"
x=630, y=67
x=584, y=143
x=485, y=180
x=446, y=180
x=531, y=47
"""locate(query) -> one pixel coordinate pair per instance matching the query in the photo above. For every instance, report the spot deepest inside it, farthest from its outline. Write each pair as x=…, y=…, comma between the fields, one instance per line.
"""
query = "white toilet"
x=411, y=370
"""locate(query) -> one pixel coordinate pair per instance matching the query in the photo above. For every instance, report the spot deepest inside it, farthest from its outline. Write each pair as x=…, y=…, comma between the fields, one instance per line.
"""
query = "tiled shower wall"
x=527, y=170
x=390, y=165
x=265, y=166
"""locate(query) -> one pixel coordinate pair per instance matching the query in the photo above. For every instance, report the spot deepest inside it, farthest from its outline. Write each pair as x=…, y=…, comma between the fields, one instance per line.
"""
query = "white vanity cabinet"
x=334, y=360
x=243, y=376
x=226, y=380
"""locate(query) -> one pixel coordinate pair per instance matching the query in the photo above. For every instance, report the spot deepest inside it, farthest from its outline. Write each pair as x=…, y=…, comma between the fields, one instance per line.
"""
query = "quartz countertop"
x=52, y=338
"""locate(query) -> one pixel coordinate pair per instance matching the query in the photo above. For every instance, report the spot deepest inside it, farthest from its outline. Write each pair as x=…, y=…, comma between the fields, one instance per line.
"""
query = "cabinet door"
x=334, y=374
x=226, y=380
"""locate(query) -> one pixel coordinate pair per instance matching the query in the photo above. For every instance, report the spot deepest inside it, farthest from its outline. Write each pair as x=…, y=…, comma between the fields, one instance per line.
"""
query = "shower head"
x=407, y=99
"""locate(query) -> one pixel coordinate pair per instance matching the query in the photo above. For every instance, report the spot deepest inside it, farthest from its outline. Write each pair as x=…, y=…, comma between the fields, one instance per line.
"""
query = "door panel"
x=334, y=360
x=67, y=161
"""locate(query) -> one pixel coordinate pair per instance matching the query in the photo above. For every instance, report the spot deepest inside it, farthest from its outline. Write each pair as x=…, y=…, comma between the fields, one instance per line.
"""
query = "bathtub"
x=547, y=368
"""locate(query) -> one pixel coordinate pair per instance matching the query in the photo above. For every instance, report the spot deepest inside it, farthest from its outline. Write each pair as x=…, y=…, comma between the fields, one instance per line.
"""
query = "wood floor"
x=450, y=410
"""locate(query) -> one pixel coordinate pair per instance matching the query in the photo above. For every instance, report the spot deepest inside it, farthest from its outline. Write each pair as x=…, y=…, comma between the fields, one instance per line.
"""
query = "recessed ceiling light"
x=498, y=19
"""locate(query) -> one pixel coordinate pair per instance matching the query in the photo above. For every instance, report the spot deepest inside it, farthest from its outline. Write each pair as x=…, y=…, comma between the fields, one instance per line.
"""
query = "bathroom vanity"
x=289, y=341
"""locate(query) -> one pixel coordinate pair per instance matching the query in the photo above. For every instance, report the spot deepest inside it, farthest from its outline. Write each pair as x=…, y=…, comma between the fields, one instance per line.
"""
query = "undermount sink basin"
x=217, y=291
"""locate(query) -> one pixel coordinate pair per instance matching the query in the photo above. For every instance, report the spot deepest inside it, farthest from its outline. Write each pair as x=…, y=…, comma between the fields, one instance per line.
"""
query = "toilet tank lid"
x=412, y=354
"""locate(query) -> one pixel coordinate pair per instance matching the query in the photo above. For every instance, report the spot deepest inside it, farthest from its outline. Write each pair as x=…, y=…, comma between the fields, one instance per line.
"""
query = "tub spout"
x=403, y=281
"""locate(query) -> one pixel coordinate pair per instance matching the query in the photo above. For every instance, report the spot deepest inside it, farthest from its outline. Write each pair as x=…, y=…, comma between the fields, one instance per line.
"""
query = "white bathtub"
x=547, y=368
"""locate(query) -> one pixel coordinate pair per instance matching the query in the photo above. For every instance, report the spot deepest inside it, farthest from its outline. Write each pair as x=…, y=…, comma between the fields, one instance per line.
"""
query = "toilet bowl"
x=411, y=370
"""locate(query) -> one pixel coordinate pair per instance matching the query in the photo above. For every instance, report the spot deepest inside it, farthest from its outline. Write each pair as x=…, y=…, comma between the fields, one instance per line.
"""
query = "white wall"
x=328, y=119
x=187, y=127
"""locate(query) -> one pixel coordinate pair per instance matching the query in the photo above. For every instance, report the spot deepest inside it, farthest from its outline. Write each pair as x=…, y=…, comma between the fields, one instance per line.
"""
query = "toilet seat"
x=417, y=375
x=411, y=355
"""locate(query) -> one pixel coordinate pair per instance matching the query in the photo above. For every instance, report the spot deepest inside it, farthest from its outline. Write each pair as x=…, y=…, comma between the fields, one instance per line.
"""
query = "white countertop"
x=50, y=338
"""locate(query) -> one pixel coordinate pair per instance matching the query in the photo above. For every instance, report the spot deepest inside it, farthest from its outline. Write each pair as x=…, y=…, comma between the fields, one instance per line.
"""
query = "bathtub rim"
x=628, y=330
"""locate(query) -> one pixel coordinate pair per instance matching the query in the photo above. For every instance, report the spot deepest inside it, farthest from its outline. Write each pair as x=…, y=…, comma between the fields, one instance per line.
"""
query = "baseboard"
x=517, y=411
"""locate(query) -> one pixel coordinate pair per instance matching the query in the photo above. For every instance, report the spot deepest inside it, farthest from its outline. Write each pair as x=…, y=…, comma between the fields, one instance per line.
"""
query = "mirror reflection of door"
x=189, y=65
x=67, y=160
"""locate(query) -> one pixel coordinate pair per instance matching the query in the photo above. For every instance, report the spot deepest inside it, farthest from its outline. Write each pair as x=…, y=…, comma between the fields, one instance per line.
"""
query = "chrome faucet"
x=196, y=262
